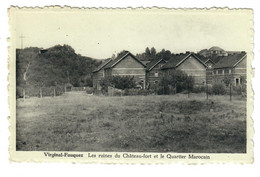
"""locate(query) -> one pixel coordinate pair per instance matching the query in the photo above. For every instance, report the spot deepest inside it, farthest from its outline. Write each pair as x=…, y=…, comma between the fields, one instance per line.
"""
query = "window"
x=219, y=71
x=237, y=81
x=226, y=71
x=230, y=71
x=156, y=74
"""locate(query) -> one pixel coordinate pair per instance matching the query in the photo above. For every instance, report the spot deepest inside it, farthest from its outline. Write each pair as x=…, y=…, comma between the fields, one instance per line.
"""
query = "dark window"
x=226, y=71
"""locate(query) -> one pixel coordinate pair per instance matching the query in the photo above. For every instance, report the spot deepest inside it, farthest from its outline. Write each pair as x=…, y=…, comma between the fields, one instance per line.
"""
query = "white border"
x=63, y=169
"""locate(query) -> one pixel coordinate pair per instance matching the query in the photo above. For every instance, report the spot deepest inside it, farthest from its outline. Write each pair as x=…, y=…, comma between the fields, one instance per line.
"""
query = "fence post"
x=230, y=91
x=54, y=94
x=188, y=90
x=207, y=92
x=23, y=94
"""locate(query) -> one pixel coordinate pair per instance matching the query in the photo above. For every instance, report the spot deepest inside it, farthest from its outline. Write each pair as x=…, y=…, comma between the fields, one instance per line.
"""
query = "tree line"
x=56, y=67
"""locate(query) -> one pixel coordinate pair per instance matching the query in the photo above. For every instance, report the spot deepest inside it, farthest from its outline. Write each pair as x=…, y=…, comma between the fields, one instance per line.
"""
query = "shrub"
x=239, y=90
x=219, y=88
x=175, y=81
x=119, y=82
x=199, y=88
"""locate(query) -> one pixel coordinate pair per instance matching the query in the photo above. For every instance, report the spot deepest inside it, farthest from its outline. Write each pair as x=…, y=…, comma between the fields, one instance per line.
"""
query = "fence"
x=207, y=89
x=30, y=91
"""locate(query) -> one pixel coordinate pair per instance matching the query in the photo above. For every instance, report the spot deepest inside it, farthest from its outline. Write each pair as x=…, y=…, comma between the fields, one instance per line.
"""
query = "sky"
x=100, y=33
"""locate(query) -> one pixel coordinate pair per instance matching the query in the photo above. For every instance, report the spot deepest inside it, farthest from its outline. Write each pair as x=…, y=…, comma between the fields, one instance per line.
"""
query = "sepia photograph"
x=131, y=80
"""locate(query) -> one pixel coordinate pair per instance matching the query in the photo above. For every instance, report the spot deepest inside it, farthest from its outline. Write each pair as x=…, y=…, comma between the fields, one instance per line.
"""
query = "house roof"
x=209, y=60
x=215, y=58
x=145, y=61
x=102, y=65
x=153, y=63
x=230, y=60
x=201, y=57
x=178, y=59
x=120, y=57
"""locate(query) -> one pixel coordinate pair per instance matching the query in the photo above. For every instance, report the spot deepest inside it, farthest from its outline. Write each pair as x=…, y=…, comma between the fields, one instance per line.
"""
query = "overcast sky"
x=99, y=34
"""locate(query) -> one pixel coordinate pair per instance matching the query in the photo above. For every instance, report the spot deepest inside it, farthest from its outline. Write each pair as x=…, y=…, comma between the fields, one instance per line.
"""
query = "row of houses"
x=204, y=68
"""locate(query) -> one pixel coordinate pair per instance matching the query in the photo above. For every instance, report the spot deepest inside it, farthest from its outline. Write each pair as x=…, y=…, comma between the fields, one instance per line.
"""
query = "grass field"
x=176, y=123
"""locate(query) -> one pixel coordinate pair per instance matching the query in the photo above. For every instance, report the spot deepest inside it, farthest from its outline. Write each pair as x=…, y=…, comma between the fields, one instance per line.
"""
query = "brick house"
x=98, y=74
x=126, y=64
x=190, y=63
x=153, y=72
x=232, y=66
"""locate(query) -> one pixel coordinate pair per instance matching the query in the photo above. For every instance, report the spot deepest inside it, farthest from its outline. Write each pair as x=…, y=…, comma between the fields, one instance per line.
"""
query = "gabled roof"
x=209, y=60
x=201, y=57
x=120, y=57
x=102, y=65
x=145, y=61
x=153, y=63
x=230, y=60
x=178, y=59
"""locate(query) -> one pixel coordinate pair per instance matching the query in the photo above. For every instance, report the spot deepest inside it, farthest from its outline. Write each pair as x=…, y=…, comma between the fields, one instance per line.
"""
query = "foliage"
x=227, y=80
x=219, y=88
x=57, y=66
x=239, y=90
x=119, y=82
x=175, y=80
x=151, y=54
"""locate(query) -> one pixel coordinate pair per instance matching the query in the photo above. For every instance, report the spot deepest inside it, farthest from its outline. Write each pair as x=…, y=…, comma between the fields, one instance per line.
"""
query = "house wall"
x=235, y=73
x=240, y=69
x=97, y=76
x=193, y=67
x=152, y=77
x=129, y=67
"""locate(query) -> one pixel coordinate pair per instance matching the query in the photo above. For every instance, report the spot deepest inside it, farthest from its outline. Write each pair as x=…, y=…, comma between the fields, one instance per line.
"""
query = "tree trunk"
x=23, y=94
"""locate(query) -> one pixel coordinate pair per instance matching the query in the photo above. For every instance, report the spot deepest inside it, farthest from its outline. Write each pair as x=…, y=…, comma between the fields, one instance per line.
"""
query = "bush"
x=175, y=81
x=239, y=90
x=219, y=88
x=119, y=82
x=199, y=89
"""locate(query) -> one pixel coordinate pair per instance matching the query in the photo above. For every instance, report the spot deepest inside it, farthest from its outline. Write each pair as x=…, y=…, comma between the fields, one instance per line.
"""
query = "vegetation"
x=119, y=82
x=175, y=81
x=157, y=123
x=151, y=54
x=54, y=68
x=219, y=88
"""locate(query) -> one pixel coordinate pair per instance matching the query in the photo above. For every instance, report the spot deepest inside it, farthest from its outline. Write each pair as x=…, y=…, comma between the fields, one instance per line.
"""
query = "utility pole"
x=21, y=37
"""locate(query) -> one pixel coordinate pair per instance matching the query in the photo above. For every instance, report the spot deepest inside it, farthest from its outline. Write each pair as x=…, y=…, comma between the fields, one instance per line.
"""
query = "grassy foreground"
x=175, y=123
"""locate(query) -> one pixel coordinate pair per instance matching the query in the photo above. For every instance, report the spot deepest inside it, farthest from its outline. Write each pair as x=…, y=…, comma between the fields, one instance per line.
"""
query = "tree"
x=153, y=51
x=164, y=54
x=227, y=80
x=119, y=82
x=147, y=52
x=176, y=80
x=54, y=68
